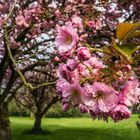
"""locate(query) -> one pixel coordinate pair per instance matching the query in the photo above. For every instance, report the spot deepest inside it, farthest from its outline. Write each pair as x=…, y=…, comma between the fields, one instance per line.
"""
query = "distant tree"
x=38, y=101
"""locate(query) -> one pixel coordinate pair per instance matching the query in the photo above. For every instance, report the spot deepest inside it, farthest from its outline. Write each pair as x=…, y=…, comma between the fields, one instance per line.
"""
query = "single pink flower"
x=94, y=62
x=91, y=24
x=98, y=25
x=130, y=93
x=58, y=13
x=66, y=39
x=120, y=112
x=28, y=15
x=20, y=20
x=73, y=93
x=100, y=97
x=83, y=53
x=77, y=21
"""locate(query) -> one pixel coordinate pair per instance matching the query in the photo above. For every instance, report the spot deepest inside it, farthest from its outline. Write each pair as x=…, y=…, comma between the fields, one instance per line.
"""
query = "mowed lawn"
x=77, y=129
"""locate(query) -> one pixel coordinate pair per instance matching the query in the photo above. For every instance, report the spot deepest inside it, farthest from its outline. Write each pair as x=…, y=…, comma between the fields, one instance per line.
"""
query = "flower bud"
x=120, y=112
x=72, y=64
x=56, y=58
x=83, y=53
x=66, y=107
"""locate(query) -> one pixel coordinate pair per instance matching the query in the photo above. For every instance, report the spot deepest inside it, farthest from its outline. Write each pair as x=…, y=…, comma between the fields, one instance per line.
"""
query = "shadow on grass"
x=41, y=132
x=57, y=132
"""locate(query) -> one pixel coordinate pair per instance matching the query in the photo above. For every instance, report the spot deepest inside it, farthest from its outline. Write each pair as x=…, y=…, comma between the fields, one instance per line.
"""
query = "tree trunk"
x=138, y=122
x=37, y=125
x=5, y=133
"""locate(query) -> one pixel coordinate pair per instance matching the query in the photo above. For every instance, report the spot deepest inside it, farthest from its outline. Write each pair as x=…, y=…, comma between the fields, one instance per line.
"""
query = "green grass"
x=77, y=129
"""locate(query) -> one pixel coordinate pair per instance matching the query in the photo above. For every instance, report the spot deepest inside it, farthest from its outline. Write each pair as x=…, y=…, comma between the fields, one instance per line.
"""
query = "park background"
x=71, y=125
x=30, y=60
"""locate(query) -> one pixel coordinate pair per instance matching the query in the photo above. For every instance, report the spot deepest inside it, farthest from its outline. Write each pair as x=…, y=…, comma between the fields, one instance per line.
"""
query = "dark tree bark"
x=5, y=133
x=138, y=122
x=37, y=125
x=40, y=113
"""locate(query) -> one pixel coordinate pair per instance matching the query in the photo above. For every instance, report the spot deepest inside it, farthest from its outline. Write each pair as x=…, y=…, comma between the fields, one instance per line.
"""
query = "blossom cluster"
x=81, y=83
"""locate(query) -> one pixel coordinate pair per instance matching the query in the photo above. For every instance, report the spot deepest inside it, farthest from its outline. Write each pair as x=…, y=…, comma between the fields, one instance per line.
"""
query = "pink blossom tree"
x=40, y=100
x=94, y=60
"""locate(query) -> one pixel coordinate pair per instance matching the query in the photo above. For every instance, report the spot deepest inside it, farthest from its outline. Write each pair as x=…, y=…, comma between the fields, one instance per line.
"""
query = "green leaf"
x=126, y=30
x=126, y=49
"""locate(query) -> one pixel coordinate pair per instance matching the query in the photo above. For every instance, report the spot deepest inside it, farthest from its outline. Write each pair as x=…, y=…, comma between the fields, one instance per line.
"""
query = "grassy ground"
x=77, y=129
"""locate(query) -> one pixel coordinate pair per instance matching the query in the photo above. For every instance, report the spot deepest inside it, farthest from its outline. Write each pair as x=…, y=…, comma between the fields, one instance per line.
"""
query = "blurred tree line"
x=55, y=111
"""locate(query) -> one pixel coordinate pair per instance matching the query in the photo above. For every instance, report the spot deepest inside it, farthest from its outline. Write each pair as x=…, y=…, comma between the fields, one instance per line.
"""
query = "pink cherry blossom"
x=1, y=7
x=82, y=70
x=100, y=97
x=130, y=93
x=84, y=108
x=20, y=20
x=90, y=67
x=58, y=13
x=70, y=76
x=77, y=21
x=120, y=112
x=73, y=93
x=1, y=22
x=98, y=25
x=65, y=107
x=60, y=84
x=83, y=53
x=94, y=62
x=66, y=39
x=91, y=24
